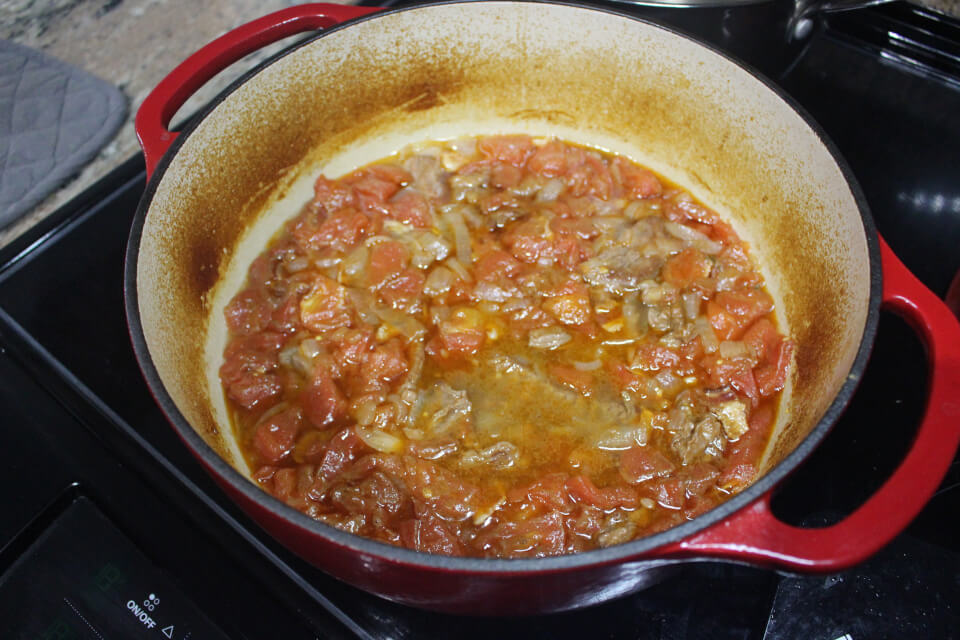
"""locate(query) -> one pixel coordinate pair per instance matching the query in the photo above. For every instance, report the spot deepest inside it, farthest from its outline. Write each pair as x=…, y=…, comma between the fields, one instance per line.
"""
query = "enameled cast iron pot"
x=362, y=90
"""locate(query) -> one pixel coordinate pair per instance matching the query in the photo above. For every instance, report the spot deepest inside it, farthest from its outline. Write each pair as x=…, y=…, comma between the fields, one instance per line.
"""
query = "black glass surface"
x=74, y=400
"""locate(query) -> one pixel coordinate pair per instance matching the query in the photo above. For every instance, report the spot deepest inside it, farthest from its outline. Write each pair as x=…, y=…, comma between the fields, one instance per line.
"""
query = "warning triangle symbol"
x=167, y=631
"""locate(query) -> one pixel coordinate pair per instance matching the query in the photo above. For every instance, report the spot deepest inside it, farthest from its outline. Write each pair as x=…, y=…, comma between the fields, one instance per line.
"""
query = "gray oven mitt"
x=53, y=119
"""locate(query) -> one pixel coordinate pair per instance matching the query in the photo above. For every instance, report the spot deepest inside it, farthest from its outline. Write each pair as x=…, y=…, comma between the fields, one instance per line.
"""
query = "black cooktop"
x=111, y=529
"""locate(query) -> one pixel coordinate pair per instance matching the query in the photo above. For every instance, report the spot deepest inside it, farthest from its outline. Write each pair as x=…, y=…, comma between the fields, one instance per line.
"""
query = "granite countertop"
x=134, y=44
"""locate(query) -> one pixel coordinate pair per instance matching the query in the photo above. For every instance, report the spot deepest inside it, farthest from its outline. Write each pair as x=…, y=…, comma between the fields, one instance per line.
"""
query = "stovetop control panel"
x=82, y=578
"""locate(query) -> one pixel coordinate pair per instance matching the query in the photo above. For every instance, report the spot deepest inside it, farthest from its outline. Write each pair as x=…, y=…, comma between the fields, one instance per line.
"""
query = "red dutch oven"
x=368, y=85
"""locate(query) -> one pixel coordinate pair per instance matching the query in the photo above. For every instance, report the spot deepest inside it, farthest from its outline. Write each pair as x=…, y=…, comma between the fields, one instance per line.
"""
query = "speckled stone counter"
x=134, y=44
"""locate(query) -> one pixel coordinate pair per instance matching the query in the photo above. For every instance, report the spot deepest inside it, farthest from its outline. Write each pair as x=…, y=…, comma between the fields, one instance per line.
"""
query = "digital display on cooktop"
x=82, y=578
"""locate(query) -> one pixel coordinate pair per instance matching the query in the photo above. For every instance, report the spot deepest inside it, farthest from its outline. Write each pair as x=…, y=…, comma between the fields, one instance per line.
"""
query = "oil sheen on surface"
x=503, y=347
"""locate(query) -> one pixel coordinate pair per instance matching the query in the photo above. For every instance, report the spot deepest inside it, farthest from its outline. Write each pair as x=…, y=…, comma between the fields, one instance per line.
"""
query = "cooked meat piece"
x=733, y=417
x=704, y=440
x=620, y=269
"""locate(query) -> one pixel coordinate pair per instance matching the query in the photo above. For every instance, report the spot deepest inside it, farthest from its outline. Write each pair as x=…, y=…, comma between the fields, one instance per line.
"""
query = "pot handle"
x=755, y=535
x=158, y=108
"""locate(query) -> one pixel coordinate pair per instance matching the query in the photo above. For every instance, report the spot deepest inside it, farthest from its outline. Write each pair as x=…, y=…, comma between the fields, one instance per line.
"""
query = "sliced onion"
x=501, y=455
x=353, y=264
x=461, y=235
x=439, y=281
x=379, y=440
x=692, y=237
x=457, y=267
x=549, y=338
x=592, y=365
x=620, y=438
x=550, y=191
x=405, y=324
x=707, y=337
x=691, y=305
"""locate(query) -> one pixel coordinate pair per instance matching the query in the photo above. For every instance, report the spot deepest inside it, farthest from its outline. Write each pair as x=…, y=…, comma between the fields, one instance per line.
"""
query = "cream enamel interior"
x=363, y=92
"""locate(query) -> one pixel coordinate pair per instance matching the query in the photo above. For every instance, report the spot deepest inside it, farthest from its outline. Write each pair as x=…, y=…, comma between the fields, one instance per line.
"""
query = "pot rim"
x=633, y=550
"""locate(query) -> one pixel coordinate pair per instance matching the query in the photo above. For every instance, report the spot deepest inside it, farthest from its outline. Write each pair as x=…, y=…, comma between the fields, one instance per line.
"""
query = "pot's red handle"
x=155, y=113
x=755, y=535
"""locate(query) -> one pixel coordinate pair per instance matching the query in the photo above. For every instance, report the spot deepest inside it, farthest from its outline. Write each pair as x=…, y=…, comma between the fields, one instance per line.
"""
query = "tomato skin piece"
x=325, y=307
x=513, y=150
x=641, y=463
x=685, y=268
x=323, y=402
x=275, y=437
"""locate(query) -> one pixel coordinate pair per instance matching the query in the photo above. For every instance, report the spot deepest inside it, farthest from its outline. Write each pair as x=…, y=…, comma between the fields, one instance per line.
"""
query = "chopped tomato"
x=686, y=267
x=375, y=185
x=505, y=176
x=549, y=492
x=745, y=453
x=580, y=381
x=771, y=377
x=341, y=450
x=430, y=535
x=463, y=333
x=668, y=492
x=404, y=290
x=549, y=160
x=655, y=357
x=387, y=259
x=736, y=372
x=494, y=264
x=731, y=312
x=637, y=181
x=275, y=437
x=641, y=463
x=623, y=378
x=587, y=175
x=248, y=312
x=326, y=306
x=584, y=490
x=513, y=150
x=583, y=228
x=352, y=348
x=342, y=230
x=323, y=403
x=248, y=370
x=384, y=365
x=411, y=208
x=331, y=195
